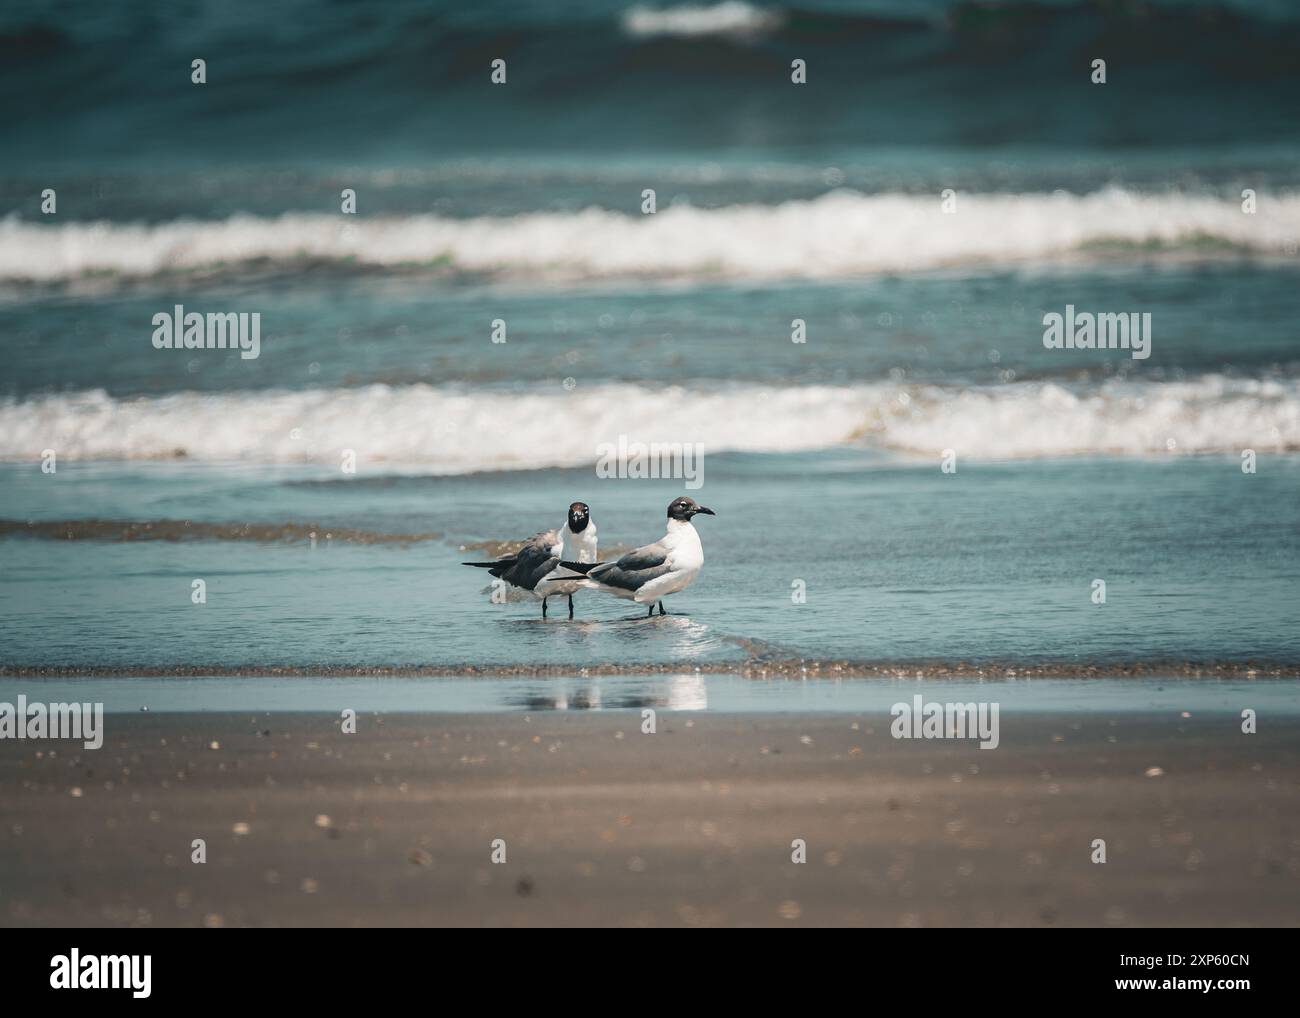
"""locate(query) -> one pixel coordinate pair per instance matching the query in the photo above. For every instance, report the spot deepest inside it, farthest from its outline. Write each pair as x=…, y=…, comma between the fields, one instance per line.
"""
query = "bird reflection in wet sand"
x=677, y=692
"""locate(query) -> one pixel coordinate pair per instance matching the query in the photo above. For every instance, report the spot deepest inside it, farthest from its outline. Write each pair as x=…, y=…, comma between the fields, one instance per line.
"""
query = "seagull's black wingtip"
x=580, y=567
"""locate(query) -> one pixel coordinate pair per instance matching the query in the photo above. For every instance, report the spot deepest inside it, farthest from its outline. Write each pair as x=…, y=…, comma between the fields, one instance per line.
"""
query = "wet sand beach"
x=691, y=826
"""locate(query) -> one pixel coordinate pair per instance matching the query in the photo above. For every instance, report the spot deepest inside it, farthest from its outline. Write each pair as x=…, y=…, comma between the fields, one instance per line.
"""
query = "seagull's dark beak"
x=705, y=509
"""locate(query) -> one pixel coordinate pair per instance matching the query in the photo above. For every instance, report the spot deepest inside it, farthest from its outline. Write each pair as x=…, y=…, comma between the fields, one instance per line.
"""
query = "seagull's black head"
x=579, y=517
x=684, y=508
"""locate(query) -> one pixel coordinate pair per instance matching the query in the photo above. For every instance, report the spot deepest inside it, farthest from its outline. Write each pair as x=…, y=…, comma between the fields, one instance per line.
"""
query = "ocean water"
x=522, y=203
x=869, y=699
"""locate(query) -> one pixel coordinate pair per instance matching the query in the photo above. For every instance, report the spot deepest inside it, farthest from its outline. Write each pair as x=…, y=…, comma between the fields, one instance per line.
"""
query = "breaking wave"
x=840, y=234
x=444, y=430
x=732, y=17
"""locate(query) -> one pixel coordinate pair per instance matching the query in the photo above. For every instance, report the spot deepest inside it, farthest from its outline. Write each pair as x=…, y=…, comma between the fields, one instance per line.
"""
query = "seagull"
x=536, y=566
x=649, y=574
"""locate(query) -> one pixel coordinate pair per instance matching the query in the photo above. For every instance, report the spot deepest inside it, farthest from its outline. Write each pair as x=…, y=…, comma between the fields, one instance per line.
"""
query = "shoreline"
x=760, y=668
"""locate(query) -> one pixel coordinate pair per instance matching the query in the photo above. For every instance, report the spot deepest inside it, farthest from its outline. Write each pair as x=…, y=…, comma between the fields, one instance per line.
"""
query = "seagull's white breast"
x=572, y=548
x=580, y=547
x=684, y=561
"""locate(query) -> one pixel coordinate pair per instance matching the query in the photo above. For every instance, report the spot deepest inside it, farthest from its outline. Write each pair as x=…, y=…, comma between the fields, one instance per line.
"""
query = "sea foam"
x=445, y=430
x=732, y=17
x=840, y=234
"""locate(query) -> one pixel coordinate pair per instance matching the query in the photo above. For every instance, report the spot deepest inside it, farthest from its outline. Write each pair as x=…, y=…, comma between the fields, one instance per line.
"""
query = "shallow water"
x=900, y=563
x=683, y=692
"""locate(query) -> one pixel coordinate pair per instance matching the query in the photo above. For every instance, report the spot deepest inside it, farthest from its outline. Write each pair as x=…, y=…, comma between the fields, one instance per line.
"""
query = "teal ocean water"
x=521, y=204
x=900, y=563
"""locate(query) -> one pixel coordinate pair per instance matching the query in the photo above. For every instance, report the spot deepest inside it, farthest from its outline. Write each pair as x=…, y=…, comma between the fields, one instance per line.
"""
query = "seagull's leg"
x=650, y=612
x=570, y=606
x=543, y=607
x=661, y=607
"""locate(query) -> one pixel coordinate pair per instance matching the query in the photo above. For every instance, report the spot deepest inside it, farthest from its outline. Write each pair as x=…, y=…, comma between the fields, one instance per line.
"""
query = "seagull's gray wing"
x=635, y=569
x=533, y=561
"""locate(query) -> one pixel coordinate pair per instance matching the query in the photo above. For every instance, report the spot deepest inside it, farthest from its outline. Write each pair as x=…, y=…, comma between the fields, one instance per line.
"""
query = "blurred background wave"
x=311, y=85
